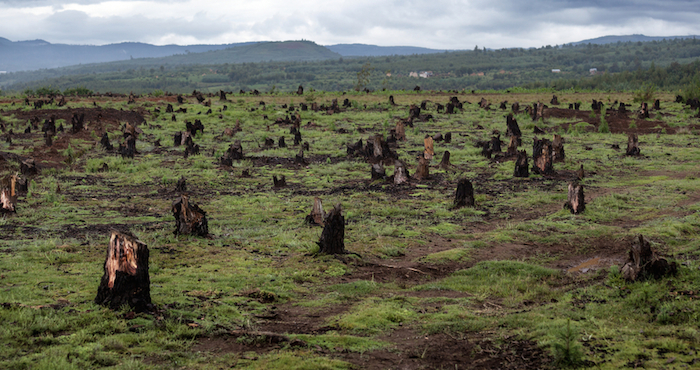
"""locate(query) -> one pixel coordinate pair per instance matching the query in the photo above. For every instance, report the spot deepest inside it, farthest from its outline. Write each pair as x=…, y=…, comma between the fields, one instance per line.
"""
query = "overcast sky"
x=438, y=24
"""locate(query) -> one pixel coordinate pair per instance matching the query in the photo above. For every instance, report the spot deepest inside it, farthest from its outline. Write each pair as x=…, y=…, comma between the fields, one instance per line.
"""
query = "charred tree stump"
x=281, y=143
x=391, y=100
x=378, y=172
x=644, y=111
x=554, y=100
x=400, y=173
x=657, y=104
x=643, y=262
x=464, y=196
x=189, y=218
x=317, y=215
x=575, y=201
x=515, y=108
x=542, y=157
x=299, y=158
x=8, y=194
x=423, y=171
x=279, y=182
x=169, y=108
x=332, y=239
x=77, y=122
x=445, y=162
x=105, y=143
x=521, y=166
x=300, y=90
x=125, y=280
x=28, y=167
x=633, y=145
x=495, y=144
x=297, y=138
x=127, y=149
x=512, y=150
x=558, y=149
x=400, y=131
x=222, y=95
x=448, y=137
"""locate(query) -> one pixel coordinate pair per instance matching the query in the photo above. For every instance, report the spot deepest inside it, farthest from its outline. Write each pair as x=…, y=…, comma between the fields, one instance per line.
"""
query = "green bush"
x=78, y=91
x=645, y=94
x=604, y=128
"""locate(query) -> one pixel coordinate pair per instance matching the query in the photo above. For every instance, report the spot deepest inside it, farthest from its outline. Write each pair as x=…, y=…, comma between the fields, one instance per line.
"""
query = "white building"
x=556, y=71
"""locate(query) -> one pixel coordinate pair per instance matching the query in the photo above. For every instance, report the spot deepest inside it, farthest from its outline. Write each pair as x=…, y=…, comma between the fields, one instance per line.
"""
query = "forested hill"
x=472, y=70
x=38, y=54
x=358, y=50
x=630, y=38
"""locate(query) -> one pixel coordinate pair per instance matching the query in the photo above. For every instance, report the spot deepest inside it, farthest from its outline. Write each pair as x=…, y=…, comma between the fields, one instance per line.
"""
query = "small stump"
x=8, y=194
x=125, y=280
x=521, y=166
x=464, y=197
x=445, y=163
x=317, y=215
x=423, y=171
x=400, y=173
x=189, y=218
x=332, y=239
x=542, y=157
x=633, y=145
x=575, y=201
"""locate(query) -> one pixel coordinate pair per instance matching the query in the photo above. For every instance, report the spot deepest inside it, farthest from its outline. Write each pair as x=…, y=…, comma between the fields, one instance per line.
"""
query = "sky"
x=437, y=24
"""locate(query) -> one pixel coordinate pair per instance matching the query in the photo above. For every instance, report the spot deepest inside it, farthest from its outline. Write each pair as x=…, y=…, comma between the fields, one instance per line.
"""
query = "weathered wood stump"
x=317, y=215
x=332, y=239
x=575, y=201
x=542, y=157
x=299, y=157
x=127, y=149
x=448, y=137
x=400, y=173
x=580, y=173
x=77, y=122
x=222, y=95
x=554, y=101
x=512, y=150
x=633, y=145
x=391, y=100
x=464, y=196
x=423, y=170
x=400, y=131
x=189, y=218
x=8, y=194
x=181, y=186
x=428, y=153
x=657, y=104
x=125, y=280
x=300, y=90
x=495, y=144
x=558, y=149
x=521, y=165
x=512, y=128
x=515, y=108
x=643, y=111
x=105, y=143
x=643, y=262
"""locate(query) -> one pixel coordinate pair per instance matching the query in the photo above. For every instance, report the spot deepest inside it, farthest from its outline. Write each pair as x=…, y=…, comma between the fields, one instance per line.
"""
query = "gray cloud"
x=449, y=24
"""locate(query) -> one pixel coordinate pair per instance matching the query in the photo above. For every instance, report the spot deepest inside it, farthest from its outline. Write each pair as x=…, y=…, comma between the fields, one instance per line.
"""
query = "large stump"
x=542, y=157
x=332, y=239
x=422, y=171
x=445, y=163
x=464, y=197
x=521, y=166
x=377, y=171
x=400, y=173
x=644, y=262
x=575, y=201
x=125, y=280
x=428, y=153
x=189, y=218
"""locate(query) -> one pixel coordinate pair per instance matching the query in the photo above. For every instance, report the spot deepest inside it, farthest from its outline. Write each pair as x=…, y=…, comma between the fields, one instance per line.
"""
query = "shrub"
x=78, y=91
x=645, y=94
x=603, y=128
x=566, y=350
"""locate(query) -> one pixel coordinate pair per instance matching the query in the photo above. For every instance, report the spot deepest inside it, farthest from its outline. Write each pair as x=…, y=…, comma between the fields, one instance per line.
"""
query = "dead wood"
x=300, y=90
x=633, y=145
x=644, y=262
x=445, y=162
x=28, y=167
x=423, y=171
x=512, y=150
x=575, y=201
x=554, y=101
x=105, y=143
x=464, y=196
x=428, y=153
x=643, y=111
x=521, y=166
x=332, y=239
x=558, y=149
x=299, y=158
x=512, y=128
x=222, y=95
x=189, y=218
x=181, y=186
x=401, y=174
x=280, y=142
x=8, y=194
x=279, y=182
x=391, y=100
x=580, y=173
x=448, y=137
x=542, y=157
x=377, y=171
x=125, y=280
x=317, y=215
x=77, y=122
x=400, y=131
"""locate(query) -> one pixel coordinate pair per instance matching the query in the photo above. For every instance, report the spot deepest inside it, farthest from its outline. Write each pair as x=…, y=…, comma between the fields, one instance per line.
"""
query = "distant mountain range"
x=40, y=54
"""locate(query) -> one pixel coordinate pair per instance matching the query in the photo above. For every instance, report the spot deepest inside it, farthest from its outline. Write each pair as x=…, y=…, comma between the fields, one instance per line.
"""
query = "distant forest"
x=667, y=64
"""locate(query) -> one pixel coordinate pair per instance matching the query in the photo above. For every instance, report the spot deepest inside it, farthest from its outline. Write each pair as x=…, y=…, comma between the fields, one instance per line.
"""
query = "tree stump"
x=657, y=104
x=299, y=158
x=280, y=142
x=644, y=111
x=521, y=166
x=222, y=95
x=580, y=173
x=423, y=171
x=554, y=100
x=297, y=138
x=448, y=137
x=189, y=218
x=77, y=122
x=428, y=153
x=400, y=173
x=279, y=182
x=495, y=144
x=515, y=108
x=542, y=157
x=300, y=90
x=558, y=149
x=125, y=280
x=633, y=145
x=643, y=262
x=8, y=194
x=575, y=201
x=378, y=172
x=127, y=149
x=391, y=100
x=28, y=167
x=105, y=143
x=464, y=197
x=512, y=128
x=332, y=239
x=445, y=163
x=400, y=131
x=512, y=150
x=181, y=186
x=317, y=215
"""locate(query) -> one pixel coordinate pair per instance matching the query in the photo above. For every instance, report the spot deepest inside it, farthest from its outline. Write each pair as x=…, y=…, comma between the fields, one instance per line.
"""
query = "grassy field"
x=516, y=282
